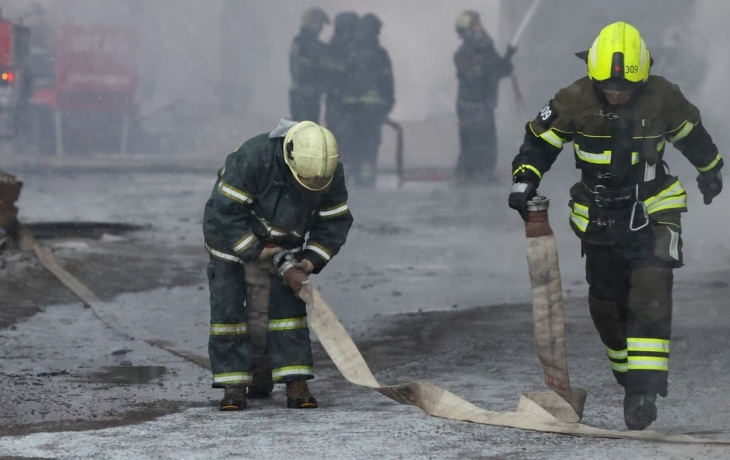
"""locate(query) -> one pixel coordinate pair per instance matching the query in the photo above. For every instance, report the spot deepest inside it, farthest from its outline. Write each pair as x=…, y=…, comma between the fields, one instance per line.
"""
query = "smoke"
x=213, y=72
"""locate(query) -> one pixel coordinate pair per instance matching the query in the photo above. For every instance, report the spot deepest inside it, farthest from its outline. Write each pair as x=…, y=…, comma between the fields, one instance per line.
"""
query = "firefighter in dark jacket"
x=368, y=96
x=279, y=190
x=479, y=68
x=626, y=208
x=307, y=67
x=338, y=56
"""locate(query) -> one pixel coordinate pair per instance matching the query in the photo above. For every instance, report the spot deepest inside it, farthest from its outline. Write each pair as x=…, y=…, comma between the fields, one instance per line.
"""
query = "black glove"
x=710, y=184
x=521, y=193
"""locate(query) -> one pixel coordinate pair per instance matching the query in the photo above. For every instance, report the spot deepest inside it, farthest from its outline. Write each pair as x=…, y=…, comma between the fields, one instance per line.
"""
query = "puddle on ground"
x=87, y=230
x=128, y=375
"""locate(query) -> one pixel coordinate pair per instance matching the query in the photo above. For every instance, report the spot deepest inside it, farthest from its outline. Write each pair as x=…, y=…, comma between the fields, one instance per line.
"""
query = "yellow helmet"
x=310, y=151
x=618, y=58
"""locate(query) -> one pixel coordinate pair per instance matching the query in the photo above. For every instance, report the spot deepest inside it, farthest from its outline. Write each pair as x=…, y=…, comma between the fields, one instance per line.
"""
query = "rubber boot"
x=234, y=398
x=262, y=384
x=640, y=410
x=298, y=397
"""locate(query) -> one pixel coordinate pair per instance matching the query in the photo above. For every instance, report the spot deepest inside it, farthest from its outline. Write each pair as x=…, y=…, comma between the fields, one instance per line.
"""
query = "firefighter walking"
x=279, y=190
x=626, y=208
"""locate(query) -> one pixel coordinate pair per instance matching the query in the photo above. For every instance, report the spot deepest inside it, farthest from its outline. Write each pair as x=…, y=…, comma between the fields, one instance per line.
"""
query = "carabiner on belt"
x=638, y=204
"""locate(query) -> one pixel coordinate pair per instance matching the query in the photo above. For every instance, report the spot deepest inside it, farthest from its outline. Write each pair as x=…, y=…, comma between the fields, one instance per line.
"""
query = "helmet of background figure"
x=310, y=151
x=465, y=22
x=315, y=19
x=346, y=22
x=369, y=26
x=618, y=60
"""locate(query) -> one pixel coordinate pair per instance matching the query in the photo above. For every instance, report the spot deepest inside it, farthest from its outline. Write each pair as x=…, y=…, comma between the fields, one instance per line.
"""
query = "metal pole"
x=125, y=133
x=398, y=150
x=59, y=131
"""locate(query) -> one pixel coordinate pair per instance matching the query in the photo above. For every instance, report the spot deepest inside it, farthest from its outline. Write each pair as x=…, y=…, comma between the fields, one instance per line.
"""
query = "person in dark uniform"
x=283, y=190
x=368, y=96
x=338, y=56
x=626, y=208
x=479, y=69
x=306, y=65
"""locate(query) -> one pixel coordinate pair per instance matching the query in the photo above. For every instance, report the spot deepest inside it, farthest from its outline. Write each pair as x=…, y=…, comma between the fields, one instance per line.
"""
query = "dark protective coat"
x=626, y=210
x=368, y=96
x=308, y=75
x=618, y=148
x=256, y=200
x=339, y=53
x=479, y=68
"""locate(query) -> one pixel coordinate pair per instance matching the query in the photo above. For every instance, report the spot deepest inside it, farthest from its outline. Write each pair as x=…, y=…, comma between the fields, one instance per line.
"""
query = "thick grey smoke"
x=213, y=72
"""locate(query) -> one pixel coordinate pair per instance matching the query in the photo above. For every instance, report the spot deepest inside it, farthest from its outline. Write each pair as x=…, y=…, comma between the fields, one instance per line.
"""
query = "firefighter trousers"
x=477, y=141
x=230, y=347
x=630, y=299
x=361, y=133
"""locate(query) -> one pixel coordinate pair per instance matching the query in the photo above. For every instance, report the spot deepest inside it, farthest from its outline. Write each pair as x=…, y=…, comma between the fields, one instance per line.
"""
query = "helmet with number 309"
x=618, y=60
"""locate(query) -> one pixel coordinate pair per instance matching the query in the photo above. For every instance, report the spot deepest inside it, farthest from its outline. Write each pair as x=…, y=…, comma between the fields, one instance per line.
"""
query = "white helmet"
x=310, y=151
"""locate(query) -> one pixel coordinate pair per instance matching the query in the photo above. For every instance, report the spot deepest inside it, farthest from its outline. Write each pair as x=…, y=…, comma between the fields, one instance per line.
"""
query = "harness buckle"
x=638, y=204
x=596, y=194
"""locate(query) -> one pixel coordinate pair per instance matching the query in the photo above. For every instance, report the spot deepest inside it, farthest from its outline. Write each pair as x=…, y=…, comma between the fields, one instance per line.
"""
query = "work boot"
x=639, y=410
x=298, y=397
x=234, y=398
x=262, y=384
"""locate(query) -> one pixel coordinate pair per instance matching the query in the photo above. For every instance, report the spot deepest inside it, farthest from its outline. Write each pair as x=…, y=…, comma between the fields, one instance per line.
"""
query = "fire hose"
x=542, y=412
x=513, y=45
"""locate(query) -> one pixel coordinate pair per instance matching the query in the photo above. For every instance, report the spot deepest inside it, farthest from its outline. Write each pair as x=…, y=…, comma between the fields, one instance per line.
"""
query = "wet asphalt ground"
x=432, y=285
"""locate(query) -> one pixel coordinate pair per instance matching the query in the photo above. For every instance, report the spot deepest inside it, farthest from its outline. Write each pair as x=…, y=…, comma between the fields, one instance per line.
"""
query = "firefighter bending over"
x=626, y=209
x=279, y=190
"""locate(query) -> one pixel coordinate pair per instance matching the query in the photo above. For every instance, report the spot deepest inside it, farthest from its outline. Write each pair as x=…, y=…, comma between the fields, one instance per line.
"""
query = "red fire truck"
x=14, y=74
x=87, y=104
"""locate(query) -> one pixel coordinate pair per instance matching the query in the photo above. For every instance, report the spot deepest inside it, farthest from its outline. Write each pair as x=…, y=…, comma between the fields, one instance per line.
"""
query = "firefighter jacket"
x=619, y=150
x=256, y=201
x=307, y=63
x=369, y=85
x=479, y=69
x=336, y=61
